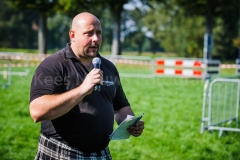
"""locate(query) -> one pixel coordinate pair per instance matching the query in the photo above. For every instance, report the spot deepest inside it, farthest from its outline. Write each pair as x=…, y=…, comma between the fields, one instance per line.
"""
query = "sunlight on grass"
x=172, y=108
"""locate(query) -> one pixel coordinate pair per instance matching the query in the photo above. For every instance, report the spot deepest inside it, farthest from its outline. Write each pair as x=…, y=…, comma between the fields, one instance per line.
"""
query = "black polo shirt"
x=88, y=125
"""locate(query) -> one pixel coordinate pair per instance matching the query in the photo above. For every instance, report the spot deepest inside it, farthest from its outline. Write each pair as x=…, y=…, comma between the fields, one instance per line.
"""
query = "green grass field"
x=172, y=108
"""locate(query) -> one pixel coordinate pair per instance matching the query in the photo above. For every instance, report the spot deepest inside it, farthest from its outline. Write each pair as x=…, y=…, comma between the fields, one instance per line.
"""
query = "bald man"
x=76, y=120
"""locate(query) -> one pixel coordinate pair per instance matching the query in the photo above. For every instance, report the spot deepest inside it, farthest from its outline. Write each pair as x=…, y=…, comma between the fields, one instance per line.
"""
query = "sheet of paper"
x=121, y=131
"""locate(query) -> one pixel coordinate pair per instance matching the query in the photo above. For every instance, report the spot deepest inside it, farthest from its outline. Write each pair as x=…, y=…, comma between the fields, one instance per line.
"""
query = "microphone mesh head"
x=96, y=60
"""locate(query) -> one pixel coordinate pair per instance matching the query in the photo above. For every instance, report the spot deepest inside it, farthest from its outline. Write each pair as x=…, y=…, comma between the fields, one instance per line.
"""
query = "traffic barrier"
x=22, y=56
x=179, y=62
x=15, y=65
x=180, y=72
x=220, y=105
x=189, y=68
x=130, y=61
x=15, y=60
x=178, y=67
x=228, y=66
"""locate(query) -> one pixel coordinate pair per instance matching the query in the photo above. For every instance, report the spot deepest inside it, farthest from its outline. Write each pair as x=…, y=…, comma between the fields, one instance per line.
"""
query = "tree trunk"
x=153, y=45
x=116, y=43
x=42, y=49
x=140, y=49
x=115, y=49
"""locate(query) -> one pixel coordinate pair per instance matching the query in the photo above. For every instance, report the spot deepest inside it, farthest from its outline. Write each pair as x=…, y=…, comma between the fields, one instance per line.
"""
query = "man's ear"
x=72, y=35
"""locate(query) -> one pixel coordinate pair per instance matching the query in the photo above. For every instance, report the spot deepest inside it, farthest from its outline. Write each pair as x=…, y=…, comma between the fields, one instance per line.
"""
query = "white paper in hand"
x=121, y=132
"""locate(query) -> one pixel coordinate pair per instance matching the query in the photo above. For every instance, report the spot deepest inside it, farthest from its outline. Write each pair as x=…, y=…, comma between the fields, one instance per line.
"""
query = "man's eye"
x=89, y=33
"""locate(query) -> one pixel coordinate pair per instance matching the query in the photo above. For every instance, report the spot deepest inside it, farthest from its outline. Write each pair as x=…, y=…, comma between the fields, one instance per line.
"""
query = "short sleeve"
x=45, y=81
x=120, y=99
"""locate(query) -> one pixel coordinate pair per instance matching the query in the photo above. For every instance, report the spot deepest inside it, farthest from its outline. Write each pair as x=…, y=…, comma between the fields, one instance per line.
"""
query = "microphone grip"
x=98, y=86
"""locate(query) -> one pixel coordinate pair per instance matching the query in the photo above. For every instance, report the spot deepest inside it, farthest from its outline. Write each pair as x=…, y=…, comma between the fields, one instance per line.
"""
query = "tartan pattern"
x=51, y=149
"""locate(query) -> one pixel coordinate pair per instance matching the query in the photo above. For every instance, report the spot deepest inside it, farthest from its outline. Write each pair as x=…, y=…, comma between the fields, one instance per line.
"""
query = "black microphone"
x=96, y=64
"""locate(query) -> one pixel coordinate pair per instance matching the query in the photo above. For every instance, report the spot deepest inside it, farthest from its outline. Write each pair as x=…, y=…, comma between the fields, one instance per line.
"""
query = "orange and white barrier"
x=179, y=63
x=28, y=57
x=228, y=66
x=179, y=67
x=14, y=60
x=124, y=60
x=180, y=72
x=192, y=68
x=15, y=65
x=189, y=68
x=145, y=61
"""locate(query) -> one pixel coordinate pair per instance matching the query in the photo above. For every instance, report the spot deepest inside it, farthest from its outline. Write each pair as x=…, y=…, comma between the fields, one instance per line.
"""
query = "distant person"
x=76, y=120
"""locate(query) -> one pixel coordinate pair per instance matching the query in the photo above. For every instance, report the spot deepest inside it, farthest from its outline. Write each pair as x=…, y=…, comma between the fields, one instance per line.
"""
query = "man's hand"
x=121, y=114
x=94, y=77
x=137, y=129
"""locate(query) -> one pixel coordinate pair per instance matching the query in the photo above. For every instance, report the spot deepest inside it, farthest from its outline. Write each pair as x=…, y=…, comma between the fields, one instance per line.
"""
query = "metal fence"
x=221, y=105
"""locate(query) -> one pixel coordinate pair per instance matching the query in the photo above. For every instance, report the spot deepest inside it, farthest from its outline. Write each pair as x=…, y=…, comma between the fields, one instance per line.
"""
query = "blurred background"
x=146, y=35
x=172, y=27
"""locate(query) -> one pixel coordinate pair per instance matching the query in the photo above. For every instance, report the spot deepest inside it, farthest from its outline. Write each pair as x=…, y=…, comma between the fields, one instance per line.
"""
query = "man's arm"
x=121, y=114
x=48, y=107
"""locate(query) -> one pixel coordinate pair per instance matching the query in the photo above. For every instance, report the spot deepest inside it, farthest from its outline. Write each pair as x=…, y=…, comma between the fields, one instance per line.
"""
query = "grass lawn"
x=172, y=108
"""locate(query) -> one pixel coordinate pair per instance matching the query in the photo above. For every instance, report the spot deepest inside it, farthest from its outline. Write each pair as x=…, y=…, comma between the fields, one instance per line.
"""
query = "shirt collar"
x=69, y=51
x=70, y=54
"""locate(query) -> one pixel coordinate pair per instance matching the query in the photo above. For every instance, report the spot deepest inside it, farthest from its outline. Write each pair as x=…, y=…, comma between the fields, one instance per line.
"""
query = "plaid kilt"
x=51, y=149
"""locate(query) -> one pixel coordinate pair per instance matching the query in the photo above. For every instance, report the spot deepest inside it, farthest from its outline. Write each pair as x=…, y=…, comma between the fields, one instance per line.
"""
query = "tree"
x=212, y=10
x=16, y=27
x=159, y=25
x=227, y=31
x=115, y=7
x=180, y=28
x=58, y=31
x=133, y=28
x=44, y=7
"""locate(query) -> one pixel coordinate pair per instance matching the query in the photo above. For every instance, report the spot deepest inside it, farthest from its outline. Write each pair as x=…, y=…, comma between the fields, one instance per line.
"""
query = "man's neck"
x=87, y=63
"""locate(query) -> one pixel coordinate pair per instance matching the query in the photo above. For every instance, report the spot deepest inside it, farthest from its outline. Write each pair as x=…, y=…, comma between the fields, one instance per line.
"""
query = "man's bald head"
x=82, y=18
x=85, y=35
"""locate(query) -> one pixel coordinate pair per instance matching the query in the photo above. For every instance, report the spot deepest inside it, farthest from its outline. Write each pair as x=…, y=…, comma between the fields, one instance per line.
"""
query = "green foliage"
x=58, y=27
x=165, y=25
x=16, y=27
x=174, y=31
x=18, y=50
x=225, y=23
x=44, y=9
x=44, y=6
x=172, y=108
x=134, y=36
x=66, y=7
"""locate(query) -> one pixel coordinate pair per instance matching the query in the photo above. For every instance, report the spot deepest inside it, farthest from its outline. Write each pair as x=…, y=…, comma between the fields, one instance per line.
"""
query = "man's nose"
x=95, y=37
